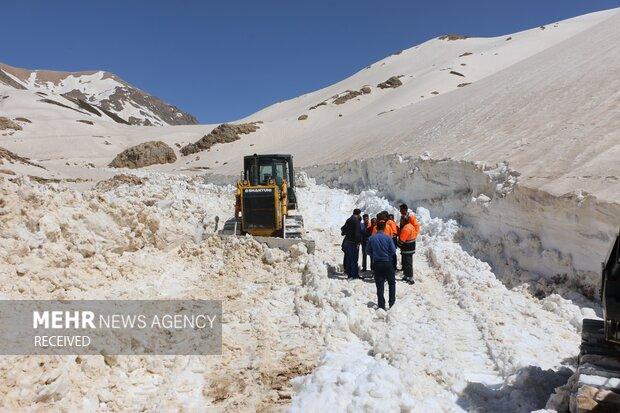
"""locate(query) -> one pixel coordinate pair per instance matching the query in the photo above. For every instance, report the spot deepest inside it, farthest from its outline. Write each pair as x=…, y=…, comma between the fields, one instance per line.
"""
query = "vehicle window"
x=251, y=174
x=280, y=173
x=266, y=173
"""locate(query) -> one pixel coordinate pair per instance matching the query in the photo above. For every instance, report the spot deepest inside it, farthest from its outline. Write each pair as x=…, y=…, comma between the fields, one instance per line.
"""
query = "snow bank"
x=149, y=241
x=457, y=338
x=458, y=329
x=527, y=235
x=352, y=381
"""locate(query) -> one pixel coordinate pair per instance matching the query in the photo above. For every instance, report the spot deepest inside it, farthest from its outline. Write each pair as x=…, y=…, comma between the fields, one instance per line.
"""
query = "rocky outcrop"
x=6, y=123
x=8, y=81
x=12, y=157
x=302, y=117
x=168, y=113
x=323, y=103
x=392, y=82
x=224, y=133
x=62, y=105
x=350, y=94
x=453, y=36
x=144, y=154
x=116, y=181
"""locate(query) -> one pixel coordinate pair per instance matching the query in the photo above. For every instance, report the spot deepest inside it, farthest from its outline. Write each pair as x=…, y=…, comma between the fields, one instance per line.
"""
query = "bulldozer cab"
x=261, y=169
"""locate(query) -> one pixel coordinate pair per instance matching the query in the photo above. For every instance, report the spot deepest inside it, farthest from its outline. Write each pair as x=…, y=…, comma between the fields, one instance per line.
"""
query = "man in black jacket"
x=366, y=233
x=351, y=230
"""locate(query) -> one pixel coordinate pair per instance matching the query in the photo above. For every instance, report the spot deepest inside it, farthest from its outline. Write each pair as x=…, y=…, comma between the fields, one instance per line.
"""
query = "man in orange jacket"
x=394, y=230
x=382, y=216
x=391, y=230
x=410, y=228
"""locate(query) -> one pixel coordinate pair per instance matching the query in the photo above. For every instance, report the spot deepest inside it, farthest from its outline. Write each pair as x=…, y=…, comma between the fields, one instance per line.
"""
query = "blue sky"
x=221, y=60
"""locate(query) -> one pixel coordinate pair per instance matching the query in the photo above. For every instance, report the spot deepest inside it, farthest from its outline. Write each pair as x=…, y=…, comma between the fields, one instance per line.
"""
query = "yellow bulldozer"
x=266, y=203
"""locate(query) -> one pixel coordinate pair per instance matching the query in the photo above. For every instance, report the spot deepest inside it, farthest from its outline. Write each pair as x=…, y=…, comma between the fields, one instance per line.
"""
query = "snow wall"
x=525, y=234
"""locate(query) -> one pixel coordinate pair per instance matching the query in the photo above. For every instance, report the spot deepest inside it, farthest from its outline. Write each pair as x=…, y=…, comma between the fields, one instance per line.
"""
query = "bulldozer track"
x=597, y=385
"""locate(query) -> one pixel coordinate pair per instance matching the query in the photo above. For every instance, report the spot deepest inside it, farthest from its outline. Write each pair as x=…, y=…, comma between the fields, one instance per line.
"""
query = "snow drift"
x=527, y=235
x=288, y=315
x=458, y=339
x=149, y=238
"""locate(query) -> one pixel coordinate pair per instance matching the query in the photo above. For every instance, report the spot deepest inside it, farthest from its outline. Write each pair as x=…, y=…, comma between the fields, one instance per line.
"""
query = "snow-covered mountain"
x=101, y=89
x=544, y=100
x=507, y=262
x=436, y=67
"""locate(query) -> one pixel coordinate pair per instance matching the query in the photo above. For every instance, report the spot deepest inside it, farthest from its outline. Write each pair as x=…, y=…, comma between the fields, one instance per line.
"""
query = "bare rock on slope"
x=350, y=94
x=302, y=117
x=118, y=96
x=453, y=36
x=224, y=133
x=170, y=114
x=11, y=157
x=346, y=97
x=392, y=82
x=6, y=123
x=7, y=80
x=116, y=181
x=323, y=103
x=144, y=154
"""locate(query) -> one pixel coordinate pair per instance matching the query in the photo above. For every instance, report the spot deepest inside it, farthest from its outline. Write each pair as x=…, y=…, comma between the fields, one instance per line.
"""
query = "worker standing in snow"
x=381, y=249
x=391, y=224
x=372, y=229
x=383, y=216
x=377, y=219
x=365, y=235
x=351, y=230
x=410, y=228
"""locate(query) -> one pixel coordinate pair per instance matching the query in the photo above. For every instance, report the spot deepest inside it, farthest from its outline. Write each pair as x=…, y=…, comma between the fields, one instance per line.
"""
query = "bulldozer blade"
x=281, y=243
x=286, y=243
x=232, y=227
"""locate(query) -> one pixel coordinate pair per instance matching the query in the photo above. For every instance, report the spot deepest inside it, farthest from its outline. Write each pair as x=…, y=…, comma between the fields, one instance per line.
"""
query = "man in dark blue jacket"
x=351, y=230
x=381, y=249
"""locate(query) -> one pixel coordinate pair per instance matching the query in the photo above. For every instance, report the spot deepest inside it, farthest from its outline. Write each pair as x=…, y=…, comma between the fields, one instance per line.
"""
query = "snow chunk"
x=351, y=380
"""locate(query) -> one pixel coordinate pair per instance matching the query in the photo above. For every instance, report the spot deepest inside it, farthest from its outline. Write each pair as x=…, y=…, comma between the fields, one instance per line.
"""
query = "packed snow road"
x=457, y=339
x=296, y=334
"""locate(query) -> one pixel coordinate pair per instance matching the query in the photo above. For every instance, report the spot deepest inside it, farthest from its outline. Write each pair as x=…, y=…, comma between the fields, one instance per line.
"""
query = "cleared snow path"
x=456, y=340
